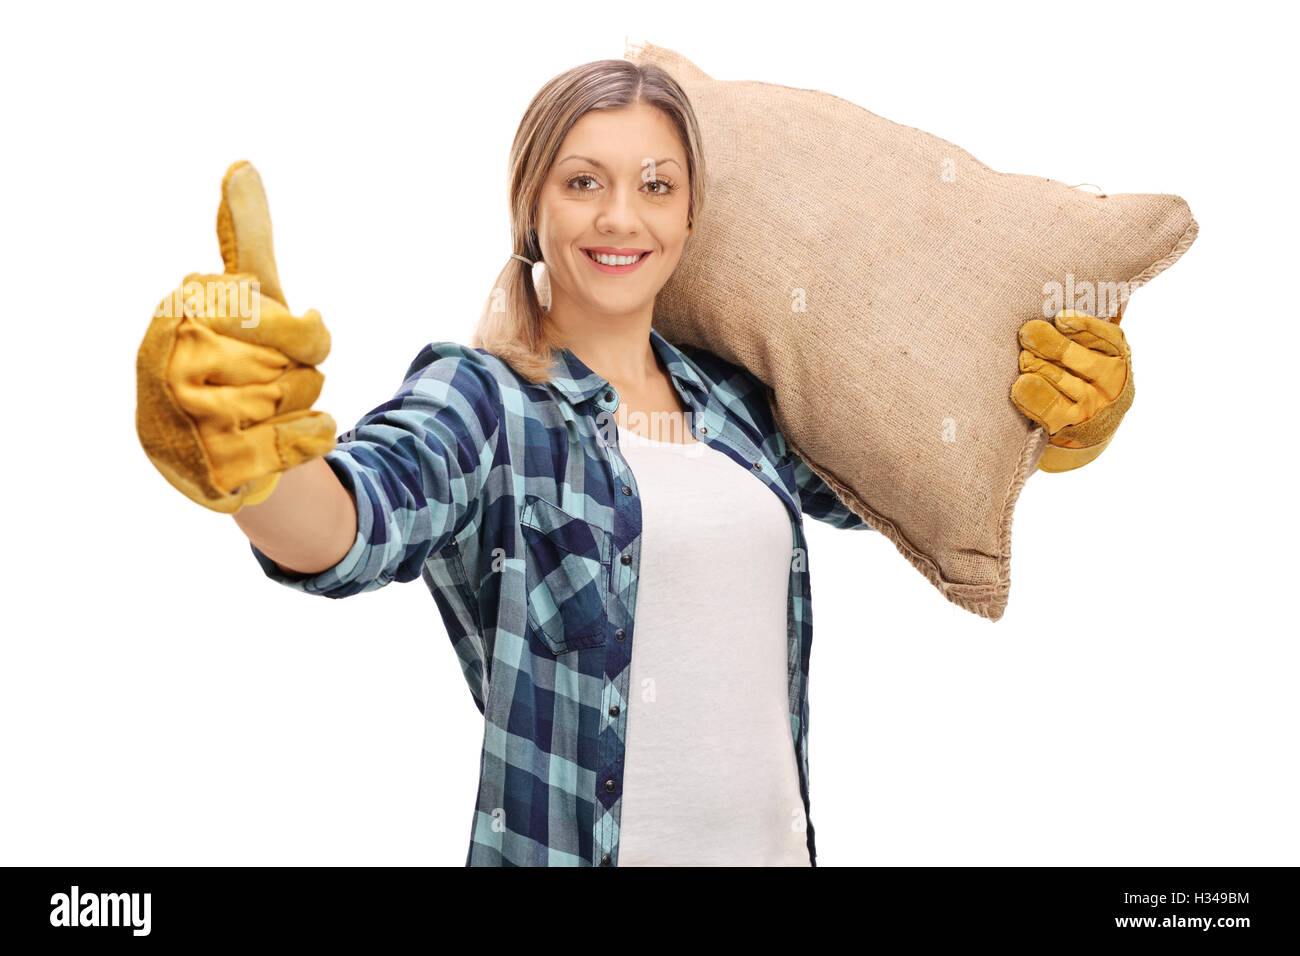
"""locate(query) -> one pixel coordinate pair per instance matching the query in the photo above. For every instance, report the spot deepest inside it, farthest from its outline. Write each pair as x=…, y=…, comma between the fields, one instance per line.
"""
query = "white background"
x=162, y=702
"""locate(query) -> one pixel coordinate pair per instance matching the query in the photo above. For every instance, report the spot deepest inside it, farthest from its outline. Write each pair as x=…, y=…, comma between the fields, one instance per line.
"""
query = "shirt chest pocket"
x=567, y=576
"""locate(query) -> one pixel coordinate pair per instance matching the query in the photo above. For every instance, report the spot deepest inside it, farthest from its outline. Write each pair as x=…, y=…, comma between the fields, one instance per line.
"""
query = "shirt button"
x=704, y=430
x=626, y=558
x=610, y=785
x=758, y=465
x=604, y=859
x=614, y=710
x=620, y=634
x=627, y=490
x=609, y=396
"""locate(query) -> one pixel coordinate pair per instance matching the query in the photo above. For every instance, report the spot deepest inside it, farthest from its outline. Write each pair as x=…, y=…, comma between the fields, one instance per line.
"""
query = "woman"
x=574, y=487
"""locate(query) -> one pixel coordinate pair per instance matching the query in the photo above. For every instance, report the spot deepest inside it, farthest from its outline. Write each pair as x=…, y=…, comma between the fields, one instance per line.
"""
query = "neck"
x=616, y=347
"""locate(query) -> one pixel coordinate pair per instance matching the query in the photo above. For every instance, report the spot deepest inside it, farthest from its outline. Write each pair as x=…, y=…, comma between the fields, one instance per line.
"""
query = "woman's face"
x=619, y=184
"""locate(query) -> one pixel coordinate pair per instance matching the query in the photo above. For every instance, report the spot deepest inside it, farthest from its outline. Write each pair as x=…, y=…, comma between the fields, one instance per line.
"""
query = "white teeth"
x=613, y=260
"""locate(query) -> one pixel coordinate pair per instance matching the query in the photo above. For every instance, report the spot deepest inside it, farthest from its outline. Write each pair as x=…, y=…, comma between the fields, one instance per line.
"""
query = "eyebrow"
x=599, y=165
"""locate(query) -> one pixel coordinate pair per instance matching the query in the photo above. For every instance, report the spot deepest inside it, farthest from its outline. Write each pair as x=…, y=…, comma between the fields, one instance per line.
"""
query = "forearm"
x=307, y=524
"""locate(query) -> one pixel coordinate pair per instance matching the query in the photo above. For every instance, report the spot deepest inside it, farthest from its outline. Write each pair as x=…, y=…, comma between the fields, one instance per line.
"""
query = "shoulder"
x=737, y=389
x=718, y=373
x=476, y=375
x=441, y=357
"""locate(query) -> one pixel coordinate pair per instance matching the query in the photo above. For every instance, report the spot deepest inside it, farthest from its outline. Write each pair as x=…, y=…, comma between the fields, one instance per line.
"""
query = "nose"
x=616, y=214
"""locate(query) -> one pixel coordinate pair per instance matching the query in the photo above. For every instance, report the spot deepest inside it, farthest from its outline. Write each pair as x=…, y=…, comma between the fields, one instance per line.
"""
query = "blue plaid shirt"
x=514, y=504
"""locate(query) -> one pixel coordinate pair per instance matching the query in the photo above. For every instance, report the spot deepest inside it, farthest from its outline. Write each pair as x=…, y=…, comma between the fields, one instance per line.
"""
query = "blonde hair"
x=513, y=325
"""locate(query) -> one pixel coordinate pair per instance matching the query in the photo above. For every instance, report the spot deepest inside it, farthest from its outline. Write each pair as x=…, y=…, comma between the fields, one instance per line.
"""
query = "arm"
x=412, y=471
x=307, y=524
x=820, y=502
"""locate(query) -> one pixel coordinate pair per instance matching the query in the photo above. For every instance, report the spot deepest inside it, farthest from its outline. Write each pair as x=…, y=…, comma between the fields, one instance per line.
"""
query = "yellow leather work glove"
x=226, y=375
x=1077, y=382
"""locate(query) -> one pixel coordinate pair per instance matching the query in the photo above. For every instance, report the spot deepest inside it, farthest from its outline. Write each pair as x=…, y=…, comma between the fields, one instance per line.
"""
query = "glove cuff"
x=1055, y=458
x=261, y=489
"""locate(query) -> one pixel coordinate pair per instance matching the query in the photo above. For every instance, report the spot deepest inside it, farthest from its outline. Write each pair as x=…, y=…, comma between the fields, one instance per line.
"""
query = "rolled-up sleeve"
x=416, y=467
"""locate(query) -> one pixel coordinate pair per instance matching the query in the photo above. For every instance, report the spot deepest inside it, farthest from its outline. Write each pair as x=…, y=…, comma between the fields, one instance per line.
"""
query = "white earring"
x=542, y=283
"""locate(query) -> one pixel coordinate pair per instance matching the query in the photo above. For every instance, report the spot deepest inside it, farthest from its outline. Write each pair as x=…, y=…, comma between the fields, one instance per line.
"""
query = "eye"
x=665, y=187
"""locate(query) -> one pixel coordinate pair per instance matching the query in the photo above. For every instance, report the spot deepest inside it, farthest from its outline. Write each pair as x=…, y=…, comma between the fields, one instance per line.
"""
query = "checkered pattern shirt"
x=513, y=503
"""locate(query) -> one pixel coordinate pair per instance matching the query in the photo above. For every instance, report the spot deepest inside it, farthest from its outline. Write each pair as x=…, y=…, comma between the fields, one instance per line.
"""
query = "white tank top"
x=710, y=777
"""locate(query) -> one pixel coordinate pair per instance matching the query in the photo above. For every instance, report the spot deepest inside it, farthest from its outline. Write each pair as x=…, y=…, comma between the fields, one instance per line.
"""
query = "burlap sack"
x=875, y=277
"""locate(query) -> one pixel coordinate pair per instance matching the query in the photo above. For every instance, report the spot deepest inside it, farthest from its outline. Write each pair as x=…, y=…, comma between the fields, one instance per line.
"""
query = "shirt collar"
x=576, y=382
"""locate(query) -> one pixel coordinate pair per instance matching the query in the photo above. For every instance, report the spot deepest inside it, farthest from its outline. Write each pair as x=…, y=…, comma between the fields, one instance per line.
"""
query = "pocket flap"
x=571, y=533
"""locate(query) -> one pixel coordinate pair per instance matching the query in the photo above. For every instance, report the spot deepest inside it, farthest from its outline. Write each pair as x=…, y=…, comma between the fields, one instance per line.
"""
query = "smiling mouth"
x=590, y=255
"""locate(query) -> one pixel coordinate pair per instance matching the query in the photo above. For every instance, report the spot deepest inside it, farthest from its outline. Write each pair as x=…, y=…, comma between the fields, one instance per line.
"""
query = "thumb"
x=244, y=229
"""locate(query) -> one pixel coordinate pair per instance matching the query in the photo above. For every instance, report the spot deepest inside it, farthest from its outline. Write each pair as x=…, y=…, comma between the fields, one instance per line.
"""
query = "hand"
x=1077, y=382
x=226, y=374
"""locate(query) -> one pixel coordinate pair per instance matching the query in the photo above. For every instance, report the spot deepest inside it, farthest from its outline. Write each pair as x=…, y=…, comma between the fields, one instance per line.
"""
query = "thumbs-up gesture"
x=226, y=374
